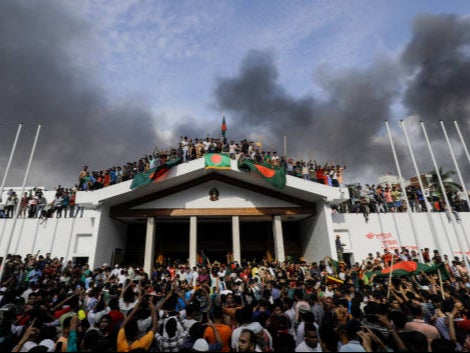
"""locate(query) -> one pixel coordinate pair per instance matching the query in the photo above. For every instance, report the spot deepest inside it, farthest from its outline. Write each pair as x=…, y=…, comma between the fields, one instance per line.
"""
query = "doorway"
x=214, y=238
x=256, y=239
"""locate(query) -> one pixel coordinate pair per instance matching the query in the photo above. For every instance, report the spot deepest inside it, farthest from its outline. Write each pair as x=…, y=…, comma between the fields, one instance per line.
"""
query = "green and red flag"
x=224, y=127
x=410, y=268
x=333, y=264
x=217, y=161
x=336, y=267
x=202, y=259
x=276, y=177
x=154, y=175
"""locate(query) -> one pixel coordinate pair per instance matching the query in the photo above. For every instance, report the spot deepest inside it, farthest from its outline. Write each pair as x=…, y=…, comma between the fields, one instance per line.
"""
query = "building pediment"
x=214, y=194
x=187, y=175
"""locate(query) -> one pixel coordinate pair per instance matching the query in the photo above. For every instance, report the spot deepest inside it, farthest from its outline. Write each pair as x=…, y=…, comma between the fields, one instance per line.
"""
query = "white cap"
x=201, y=345
x=50, y=344
x=255, y=327
x=27, y=346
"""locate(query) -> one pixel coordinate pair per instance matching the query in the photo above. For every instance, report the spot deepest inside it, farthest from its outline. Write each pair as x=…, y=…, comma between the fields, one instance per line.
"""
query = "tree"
x=354, y=191
x=449, y=185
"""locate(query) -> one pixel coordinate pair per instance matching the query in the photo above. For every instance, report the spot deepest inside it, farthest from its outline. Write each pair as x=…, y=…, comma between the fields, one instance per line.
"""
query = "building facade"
x=225, y=215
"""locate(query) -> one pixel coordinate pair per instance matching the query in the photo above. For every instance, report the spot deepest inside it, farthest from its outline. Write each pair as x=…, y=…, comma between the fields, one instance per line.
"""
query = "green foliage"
x=449, y=185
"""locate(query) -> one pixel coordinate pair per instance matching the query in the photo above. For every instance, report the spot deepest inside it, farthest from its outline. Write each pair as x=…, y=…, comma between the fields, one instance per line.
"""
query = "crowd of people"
x=33, y=204
x=47, y=304
x=383, y=197
x=189, y=149
x=390, y=198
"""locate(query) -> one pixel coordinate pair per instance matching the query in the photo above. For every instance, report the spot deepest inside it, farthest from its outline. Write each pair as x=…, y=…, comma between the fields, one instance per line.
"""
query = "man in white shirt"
x=310, y=342
x=116, y=271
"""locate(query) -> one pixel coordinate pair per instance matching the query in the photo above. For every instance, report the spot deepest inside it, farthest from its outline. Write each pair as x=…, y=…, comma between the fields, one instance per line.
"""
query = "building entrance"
x=256, y=239
x=292, y=246
x=214, y=239
x=172, y=241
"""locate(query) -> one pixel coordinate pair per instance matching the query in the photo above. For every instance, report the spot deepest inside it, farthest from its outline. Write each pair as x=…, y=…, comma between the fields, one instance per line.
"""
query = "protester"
x=365, y=311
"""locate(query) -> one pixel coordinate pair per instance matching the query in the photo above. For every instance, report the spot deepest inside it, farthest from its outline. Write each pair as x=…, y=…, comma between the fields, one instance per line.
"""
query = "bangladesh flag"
x=276, y=177
x=217, y=161
x=411, y=268
x=154, y=175
x=333, y=264
x=224, y=127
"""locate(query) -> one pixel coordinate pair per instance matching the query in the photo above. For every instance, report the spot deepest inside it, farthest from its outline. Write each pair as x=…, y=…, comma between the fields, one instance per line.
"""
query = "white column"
x=236, y=239
x=279, y=252
x=192, y=240
x=149, y=245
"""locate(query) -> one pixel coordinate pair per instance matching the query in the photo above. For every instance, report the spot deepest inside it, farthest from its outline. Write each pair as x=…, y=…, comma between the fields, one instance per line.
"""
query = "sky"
x=110, y=81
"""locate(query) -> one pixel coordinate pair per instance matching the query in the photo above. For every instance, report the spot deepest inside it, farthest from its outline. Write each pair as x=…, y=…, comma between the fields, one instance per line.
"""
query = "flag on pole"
x=204, y=259
x=217, y=161
x=224, y=127
x=276, y=177
x=333, y=264
x=155, y=174
x=410, y=268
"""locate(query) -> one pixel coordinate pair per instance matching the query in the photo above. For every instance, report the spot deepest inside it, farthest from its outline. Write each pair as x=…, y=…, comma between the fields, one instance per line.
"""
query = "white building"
x=176, y=218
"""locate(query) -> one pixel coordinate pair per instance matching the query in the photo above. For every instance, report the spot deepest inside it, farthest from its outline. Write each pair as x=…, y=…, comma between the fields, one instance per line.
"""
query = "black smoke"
x=438, y=61
x=41, y=83
x=345, y=124
x=341, y=127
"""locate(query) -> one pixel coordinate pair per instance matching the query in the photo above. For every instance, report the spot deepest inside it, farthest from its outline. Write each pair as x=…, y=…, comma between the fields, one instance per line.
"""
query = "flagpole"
x=431, y=223
x=285, y=146
x=440, y=284
x=461, y=181
x=18, y=206
x=462, y=140
x=20, y=125
x=403, y=188
x=455, y=163
x=390, y=278
x=444, y=194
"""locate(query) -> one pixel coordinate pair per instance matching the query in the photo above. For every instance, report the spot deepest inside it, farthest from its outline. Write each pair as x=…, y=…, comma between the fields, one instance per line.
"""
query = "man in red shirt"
x=426, y=256
x=387, y=258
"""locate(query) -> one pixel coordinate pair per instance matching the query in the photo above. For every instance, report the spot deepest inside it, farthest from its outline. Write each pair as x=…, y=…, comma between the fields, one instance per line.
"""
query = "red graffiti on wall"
x=388, y=242
x=380, y=236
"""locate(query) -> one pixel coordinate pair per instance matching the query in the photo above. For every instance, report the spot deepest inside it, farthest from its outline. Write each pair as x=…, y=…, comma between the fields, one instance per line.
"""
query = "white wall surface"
x=230, y=196
x=393, y=229
x=96, y=235
x=112, y=234
x=316, y=235
x=56, y=235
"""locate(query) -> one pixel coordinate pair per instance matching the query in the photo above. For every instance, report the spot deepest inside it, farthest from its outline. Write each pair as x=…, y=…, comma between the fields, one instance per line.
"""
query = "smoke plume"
x=42, y=84
x=346, y=124
x=342, y=127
